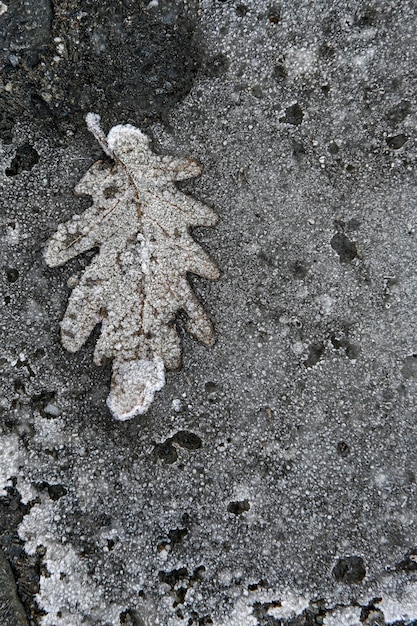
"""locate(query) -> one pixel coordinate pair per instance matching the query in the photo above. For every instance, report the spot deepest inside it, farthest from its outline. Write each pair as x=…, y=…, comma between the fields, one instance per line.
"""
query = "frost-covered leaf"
x=137, y=282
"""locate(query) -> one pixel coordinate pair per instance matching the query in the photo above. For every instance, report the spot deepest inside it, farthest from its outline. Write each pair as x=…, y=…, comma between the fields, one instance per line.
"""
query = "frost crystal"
x=137, y=283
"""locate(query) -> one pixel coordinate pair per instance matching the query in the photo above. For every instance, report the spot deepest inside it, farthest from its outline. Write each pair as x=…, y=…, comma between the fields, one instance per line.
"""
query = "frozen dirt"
x=273, y=480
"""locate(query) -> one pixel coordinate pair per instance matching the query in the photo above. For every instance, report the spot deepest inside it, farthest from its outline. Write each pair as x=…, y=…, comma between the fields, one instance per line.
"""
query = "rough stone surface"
x=11, y=610
x=273, y=481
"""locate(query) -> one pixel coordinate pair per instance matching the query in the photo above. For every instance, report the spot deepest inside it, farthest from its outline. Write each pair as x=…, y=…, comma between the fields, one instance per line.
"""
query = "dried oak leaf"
x=137, y=282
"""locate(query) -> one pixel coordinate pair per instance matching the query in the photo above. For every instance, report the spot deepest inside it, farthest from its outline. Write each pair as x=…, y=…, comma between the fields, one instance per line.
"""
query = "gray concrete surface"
x=273, y=481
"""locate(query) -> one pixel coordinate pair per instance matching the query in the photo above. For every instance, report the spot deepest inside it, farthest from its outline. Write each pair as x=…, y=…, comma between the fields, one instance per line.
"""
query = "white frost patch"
x=241, y=615
x=302, y=61
x=68, y=593
x=9, y=460
x=401, y=609
x=326, y=304
x=349, y=616
x=125, y=137
x=134, y=384
x=291, y=606
x=93, y=125
x=50, y=433
x=13, y=234
x=177, y=405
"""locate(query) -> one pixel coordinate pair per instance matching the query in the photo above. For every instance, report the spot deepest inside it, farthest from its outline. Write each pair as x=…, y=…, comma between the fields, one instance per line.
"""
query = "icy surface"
x=133, y=387
x=343, y=617
x=278, y=468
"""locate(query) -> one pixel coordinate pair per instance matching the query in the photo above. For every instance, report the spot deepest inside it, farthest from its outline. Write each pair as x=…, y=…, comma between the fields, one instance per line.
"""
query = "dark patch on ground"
x=314, y=355
x=188, y=440
x=293, y=115
x=343, y=449
x=25, y=30
x=409, y=562
x=180, y=581
x=352, y=351
x=313, y=616
x=396, y=141
x=238, y=507
x=26, y=569
x=350, y=570
x=55, y=492
x=185, y=439
x=166, y=452
x=120, y=60
x=12, y=612
x=345, y=248
x=175, y=536
x=398, y=112
x=409, y=369
x=25, y=158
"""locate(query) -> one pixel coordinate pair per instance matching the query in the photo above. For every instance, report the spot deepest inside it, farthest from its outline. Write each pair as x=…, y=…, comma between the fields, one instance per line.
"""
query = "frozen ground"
x=273, y=480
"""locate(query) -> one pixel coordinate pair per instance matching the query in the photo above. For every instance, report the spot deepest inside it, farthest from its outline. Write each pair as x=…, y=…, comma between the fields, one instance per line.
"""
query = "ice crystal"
x=137, y=282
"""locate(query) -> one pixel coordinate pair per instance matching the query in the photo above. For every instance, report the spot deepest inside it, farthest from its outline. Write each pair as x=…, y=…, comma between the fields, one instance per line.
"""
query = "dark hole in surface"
x=187, y=439
x=177, y=535
x=173, y=577
x=12, y=275
x=398, y=112
x=338, y=343
x=345, y=248
x=350, y=570
x=56, y=491
x=274, y=15
x=41, y=400
x=238, y=507
x=279, y=72
x=367, y=18
x=293, y=115
x=210, y=386
x=130, y=618
x=241, y=10
x=342, y=448
x=25, y=158
x=315, y=354
x=409, y=563
x=18, y=386
x=197, y=575
x=327, y=50
x=396, y=141
x=181, y=592
x=166, y=452
x=352, y=351
x=110, y=192
x=298, y=149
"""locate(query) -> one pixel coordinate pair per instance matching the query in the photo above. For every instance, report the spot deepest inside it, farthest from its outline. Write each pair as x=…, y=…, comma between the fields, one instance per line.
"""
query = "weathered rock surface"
x=273, y=481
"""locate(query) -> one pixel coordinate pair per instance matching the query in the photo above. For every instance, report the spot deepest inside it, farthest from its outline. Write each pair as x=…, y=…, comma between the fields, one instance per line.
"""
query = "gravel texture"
x=273, y=480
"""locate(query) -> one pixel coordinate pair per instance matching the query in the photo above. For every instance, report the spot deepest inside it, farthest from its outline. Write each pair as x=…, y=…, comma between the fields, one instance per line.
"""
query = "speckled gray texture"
x=278, y=468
